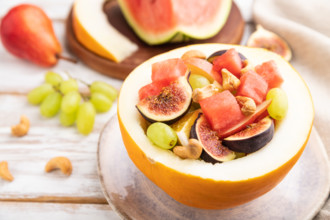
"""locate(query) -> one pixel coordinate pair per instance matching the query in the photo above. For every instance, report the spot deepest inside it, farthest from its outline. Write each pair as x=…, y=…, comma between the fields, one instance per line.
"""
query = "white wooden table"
x=35, y=194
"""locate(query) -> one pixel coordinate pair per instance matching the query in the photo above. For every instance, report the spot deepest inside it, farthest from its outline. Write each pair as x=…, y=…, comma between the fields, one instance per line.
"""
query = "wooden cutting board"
x=231, y=33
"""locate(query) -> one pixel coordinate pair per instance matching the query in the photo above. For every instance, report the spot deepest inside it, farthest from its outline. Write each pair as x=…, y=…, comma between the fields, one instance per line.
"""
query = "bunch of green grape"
x=57, y=95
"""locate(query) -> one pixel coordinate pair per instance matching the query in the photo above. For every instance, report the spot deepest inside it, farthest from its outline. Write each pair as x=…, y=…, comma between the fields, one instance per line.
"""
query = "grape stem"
x=82, y=81
x=85, y=94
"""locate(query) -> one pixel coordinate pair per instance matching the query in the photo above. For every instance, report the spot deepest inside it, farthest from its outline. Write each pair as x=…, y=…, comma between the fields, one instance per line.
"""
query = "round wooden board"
x=231, y=33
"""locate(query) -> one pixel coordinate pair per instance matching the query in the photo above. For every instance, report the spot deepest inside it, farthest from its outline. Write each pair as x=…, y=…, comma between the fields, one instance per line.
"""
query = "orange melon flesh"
x=93, y=31
x=223, y=185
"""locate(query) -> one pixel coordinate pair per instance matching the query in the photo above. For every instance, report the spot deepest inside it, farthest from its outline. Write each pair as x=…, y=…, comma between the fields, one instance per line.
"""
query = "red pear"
x=27, y=32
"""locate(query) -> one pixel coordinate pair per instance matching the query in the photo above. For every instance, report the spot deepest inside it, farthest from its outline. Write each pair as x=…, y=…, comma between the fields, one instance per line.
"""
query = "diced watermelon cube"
x=151, y=89
x=229, y=60
x=269, y=71
x=221, y=110
x=168, y=70
x=217, y=76
x=253, y=86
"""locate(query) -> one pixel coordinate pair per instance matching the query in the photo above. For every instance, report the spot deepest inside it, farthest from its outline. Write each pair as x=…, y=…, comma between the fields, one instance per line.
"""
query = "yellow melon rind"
x=204, y=185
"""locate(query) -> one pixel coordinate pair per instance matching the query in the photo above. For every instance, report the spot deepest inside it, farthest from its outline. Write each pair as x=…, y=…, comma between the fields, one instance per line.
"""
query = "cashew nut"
x=193, y=53
x=247, y=66
x=207, y=91
x=22, y=128
x=229, y=81
x=191, y=151
x=248, y=106
x=4, y=171
x=62, y=163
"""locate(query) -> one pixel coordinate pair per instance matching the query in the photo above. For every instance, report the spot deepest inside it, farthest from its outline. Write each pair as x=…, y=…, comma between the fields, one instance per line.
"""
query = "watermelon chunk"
x=269, y=71
x=253, y=86
x=217, y=76
x=158, y=22
x=151, y=89
x=163, y=73
x=221, y=110
x=168, y=71
x=230, y=60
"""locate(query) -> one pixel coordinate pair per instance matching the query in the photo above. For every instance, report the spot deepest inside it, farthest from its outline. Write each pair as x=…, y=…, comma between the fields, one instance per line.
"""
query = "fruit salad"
x=216, y=108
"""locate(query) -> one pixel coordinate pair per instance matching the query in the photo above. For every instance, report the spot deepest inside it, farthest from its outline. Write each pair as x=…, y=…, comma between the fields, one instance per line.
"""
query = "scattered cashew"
x=207, y=91
x=248, y=106
x=193, y=53
x=62, y=163
x=4, y=171
x=229, y=81
x=22, y=128
x=191, y=151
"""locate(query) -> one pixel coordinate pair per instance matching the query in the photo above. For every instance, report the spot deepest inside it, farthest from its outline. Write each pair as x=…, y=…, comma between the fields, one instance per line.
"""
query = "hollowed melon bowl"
x=223, y=185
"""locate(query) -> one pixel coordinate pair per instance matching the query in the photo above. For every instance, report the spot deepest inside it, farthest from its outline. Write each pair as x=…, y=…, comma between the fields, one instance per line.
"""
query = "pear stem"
x=59, y=56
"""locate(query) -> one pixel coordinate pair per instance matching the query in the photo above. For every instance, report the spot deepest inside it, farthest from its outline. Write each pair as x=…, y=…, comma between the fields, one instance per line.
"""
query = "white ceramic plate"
x=133, y=196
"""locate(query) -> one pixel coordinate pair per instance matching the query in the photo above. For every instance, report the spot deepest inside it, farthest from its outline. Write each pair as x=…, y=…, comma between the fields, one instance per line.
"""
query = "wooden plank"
x=28, y=155
x=55, y=211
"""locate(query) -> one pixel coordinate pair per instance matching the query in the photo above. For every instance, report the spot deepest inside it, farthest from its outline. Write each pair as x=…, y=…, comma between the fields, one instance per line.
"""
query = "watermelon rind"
x=180, y=33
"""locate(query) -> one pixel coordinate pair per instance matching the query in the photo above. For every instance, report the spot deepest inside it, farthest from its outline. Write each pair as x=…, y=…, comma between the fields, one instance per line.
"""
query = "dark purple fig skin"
x=251, y=142
x=193, y=134
x=206, y=155
x=219, y=53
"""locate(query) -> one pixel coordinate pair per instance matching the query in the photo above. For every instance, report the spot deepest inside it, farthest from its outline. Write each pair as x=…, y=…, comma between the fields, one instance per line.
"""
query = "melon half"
x=217, y=186
x=93, y=30
x=157, y=22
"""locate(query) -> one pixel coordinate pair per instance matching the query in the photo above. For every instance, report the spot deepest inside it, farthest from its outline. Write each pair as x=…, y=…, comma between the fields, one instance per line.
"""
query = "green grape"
x=38, y=94
x=51, y=105
x=68, y=86
x=85, y=118
x=279, y=105
x=162, y=135
x=101, y=102
x=198, y=81
x=105, y=89
x=67, y=119
x=71, y=102
x=53, y=78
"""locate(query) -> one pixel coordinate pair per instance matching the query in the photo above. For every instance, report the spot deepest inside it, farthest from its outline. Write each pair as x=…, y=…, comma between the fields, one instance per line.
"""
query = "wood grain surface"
x=28, y=155
x=35, y=194
x=231, y=33
x=42, y=211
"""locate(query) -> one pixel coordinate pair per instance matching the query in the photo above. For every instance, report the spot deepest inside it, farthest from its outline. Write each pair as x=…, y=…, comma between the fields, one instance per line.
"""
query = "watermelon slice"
x=269, y=71
x=161, y=21
x=221, y=110
x=230, y=60
x=163, y=74
x=168, y=71
x=253, y=86
x=151, y=89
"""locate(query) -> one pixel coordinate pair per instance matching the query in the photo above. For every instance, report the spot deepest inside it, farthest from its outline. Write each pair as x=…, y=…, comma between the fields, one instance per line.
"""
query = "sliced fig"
x=219, y=53
x=170, y=105
x=246, y=120
x=213, y=150
x=252, y=138
x=266, y=39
